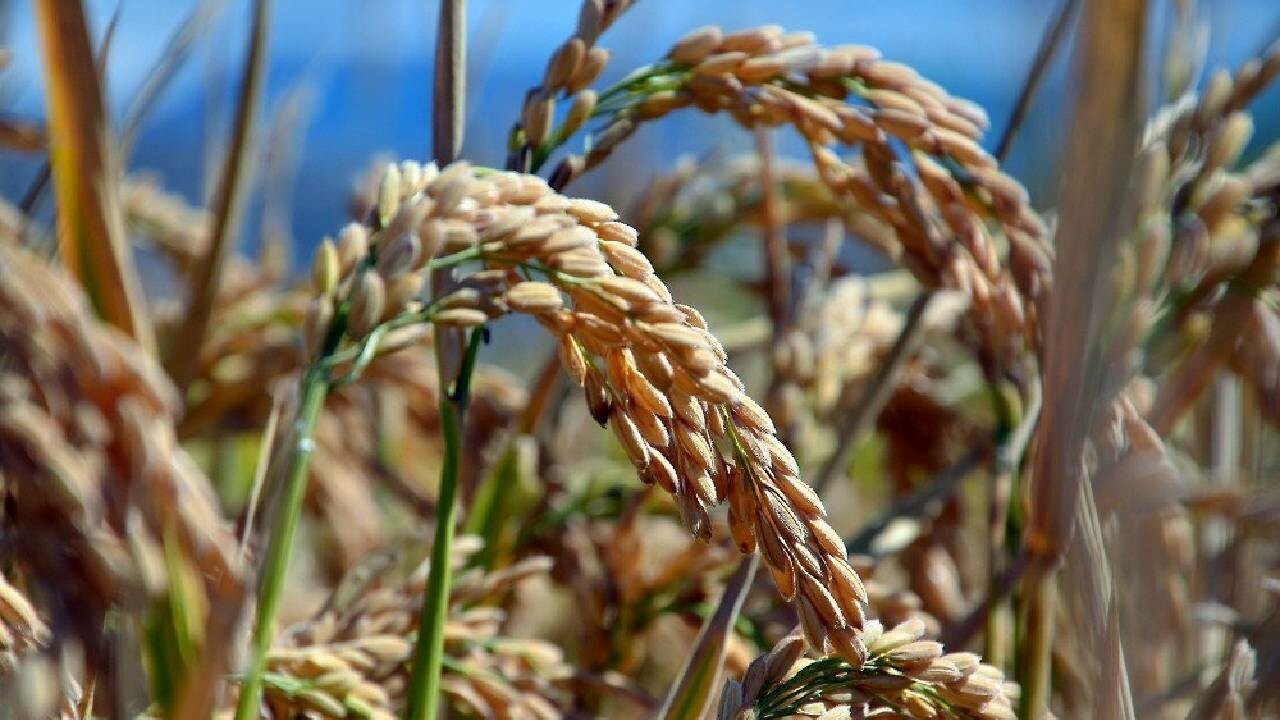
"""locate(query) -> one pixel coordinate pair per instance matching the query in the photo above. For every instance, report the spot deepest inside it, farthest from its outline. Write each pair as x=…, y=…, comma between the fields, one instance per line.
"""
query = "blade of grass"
x=41, y=181
x=265, y=449
x=1049, y=44
x=91, y=237
x=175, y=53
x=1100, y=148
x=916, y=504
x=171, y=59
x=696, y=687
x=183, y=355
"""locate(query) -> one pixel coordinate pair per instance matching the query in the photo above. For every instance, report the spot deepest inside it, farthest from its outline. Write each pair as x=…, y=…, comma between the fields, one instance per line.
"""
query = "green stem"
x=423, y=701
x=314, y=388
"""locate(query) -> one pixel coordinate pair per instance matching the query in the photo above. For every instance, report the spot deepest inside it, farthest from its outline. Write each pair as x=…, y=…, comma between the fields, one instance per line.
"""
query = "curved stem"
x=428, y=653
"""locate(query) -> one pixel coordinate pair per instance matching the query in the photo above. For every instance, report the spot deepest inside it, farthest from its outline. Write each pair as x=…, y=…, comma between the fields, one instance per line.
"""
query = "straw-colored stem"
x=1037, y=646
x=314, y=388
x=428, y=653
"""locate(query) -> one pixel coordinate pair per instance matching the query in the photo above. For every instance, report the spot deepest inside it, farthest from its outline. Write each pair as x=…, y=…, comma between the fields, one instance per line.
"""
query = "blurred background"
x=348, y=81
x=1189, y=509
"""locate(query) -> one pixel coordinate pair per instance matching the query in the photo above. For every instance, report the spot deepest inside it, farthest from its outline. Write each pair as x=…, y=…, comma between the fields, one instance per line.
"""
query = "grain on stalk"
x=352, y=657
x=955, y=219
x=573, y=66
x=680, y=414
x=905, y=672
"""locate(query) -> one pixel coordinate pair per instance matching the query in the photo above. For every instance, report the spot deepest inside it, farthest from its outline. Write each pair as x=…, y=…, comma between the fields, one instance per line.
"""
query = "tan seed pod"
x=627, y=260
x=569, y=240
x=460, y=317
x=599, y=399
x=324, y=268
x=618, y=232
x=533, y=297
x=753, y=41
x=915, y=653
x=388, y=195
x=571, y=359
x=848, y=644
x=811, y=624
x=591, y=212
x=367, y=302
x=538, y=115
x=749, y=414
x=564, y=63
x=403, y=290
x=651, y=427
x=646, y=394
x=657, y=369
x=720, y=64
x=591, y=20
x=688, y=408
x=595, y=60
x=1227, y=195
x=353, y=245
x=660, y=471
x=1228, y=141
x=399, y=256
x=580, y=109
x=629, y=437
x=674, y=335
x=692, y=441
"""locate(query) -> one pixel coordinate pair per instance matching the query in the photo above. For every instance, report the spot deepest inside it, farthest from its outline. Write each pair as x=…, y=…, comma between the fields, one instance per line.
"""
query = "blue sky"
x=365, y=65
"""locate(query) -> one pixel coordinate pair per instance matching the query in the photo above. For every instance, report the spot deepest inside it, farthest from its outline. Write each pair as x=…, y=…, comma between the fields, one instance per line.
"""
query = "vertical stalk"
x=428, y=653
x=448, y=111
x=315, y=387
x=1037, y=644
x=1105, y=128
x=449, y=84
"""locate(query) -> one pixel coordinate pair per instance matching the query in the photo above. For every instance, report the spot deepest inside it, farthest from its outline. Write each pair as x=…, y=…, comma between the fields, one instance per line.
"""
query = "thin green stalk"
x=315, y=387
x=423, y=701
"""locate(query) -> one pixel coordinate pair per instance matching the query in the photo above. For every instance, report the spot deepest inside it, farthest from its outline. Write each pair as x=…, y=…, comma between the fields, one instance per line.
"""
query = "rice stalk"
x=1100, y=151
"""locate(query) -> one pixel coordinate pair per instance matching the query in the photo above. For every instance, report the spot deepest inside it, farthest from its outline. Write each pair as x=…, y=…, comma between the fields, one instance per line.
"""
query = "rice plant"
x=1016, y=466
